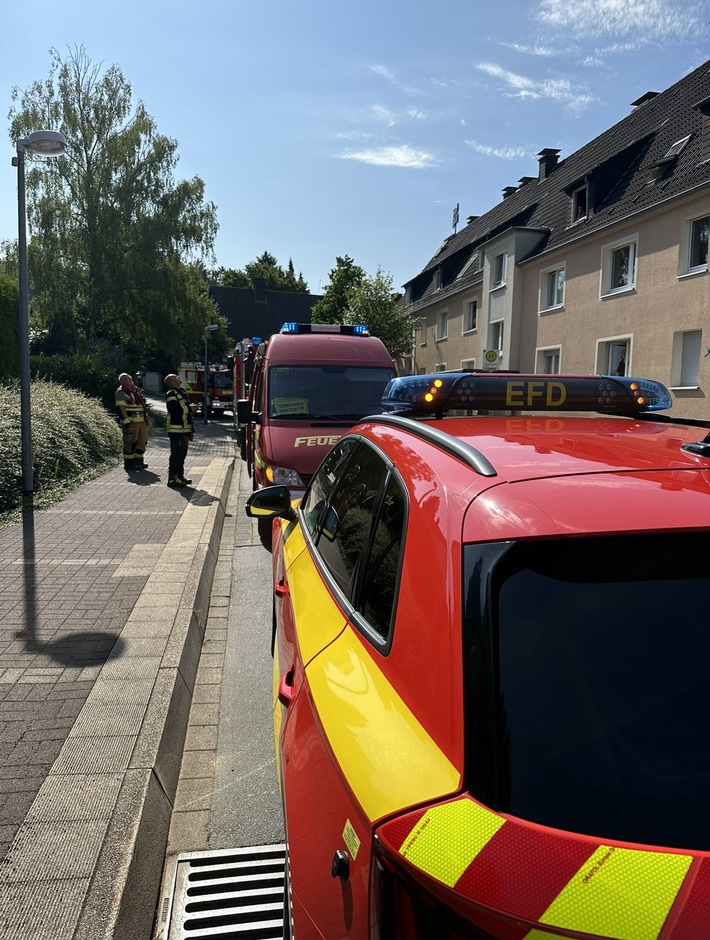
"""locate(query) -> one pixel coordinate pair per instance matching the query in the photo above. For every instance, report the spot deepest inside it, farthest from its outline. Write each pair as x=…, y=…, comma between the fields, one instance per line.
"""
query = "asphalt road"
x=246, y=806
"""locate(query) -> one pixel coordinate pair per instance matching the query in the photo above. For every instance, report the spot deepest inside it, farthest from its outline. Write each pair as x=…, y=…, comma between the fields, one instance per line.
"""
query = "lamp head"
x=45, y=143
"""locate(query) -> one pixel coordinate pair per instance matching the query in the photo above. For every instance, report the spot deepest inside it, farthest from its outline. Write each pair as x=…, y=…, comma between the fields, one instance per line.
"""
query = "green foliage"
x=265, y=268
x=114, y=236
x=9, y=328
x=374, y=303
x=353, y=297
x=94, y=376
x=74, y=440
x=344, y=278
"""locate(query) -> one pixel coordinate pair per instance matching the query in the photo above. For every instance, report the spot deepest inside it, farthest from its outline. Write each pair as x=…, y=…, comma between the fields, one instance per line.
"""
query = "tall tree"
x=374, y=303
x=344, y=278
x=352, y=297
x=114, y=234
x=265, y=268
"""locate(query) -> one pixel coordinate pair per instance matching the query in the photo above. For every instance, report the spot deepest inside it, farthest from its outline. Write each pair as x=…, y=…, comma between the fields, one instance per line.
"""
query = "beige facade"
x=559, y=312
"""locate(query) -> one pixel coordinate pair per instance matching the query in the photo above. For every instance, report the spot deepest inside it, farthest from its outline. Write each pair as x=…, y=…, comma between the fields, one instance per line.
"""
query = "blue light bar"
x=359, y=329
x=492, y=391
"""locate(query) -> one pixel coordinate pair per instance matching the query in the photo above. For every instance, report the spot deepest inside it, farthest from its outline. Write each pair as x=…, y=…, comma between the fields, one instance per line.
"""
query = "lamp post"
x=210, y=328
x=44, y=144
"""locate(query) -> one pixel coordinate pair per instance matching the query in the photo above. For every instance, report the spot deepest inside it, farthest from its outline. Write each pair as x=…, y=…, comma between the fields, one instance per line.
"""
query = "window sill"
x=619, y=292
x=556, y=309
x=470, y=332
x=693, y=272
x=685, y=388
x=499, y=286
x=441, y=339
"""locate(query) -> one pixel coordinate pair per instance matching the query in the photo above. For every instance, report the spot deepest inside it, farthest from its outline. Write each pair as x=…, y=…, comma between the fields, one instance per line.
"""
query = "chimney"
x=524, y=180
x=548, y=162
x=260, y=290
x=509, y=190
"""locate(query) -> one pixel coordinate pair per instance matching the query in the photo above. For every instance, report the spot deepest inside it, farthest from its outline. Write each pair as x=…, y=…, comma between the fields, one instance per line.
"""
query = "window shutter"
x=690, y=358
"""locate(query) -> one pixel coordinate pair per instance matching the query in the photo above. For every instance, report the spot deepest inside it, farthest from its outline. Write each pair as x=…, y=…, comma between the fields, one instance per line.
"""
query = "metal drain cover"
x=231, y=893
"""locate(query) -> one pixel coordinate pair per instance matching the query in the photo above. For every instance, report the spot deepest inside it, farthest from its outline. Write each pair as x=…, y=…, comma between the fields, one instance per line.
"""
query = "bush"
x=95, y=376
x=74, y=439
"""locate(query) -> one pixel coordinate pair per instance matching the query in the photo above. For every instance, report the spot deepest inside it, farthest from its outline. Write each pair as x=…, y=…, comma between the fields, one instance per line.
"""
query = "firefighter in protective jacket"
x=133, y=418
x=180, y=430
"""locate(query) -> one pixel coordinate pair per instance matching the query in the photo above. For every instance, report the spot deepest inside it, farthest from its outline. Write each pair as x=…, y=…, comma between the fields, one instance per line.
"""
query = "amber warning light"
x=486, y=391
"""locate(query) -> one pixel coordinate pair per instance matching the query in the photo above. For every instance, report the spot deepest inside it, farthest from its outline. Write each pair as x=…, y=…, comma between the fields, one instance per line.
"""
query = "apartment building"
x=599, y=263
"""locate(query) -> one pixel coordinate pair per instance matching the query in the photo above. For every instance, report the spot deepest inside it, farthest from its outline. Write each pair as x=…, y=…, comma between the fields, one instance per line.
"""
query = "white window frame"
x=610, y=253
x=693, y=235
x=442, y=325
x=546, y=277
x=580, y=207
x=686, y=359
x=499, y=270
x=438, y=280
x=607, y=352
x=541, y=355
x=467, y=364
x=440, y=367
x=470, y=305
x=496, y=335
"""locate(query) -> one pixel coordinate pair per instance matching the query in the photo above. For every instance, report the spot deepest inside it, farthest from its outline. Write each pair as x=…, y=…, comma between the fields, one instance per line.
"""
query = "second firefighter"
x=180, y=429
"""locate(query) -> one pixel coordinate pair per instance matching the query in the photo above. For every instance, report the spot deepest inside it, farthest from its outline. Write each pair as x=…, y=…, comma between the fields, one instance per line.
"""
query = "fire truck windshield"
x=326, y=391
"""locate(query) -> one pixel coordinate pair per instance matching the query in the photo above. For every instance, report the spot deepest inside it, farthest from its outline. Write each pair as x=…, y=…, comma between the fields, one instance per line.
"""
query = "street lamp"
x=44, y=144
x=210, y=328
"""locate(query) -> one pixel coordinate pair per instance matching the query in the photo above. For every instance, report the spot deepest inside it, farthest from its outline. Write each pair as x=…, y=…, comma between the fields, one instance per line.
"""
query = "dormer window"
x=437, y=279
x=579, y=204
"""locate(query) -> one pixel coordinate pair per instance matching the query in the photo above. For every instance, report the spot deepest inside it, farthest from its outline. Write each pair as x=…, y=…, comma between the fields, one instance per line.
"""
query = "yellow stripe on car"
x=447, y=839
x=383, y=752
x=621, y=893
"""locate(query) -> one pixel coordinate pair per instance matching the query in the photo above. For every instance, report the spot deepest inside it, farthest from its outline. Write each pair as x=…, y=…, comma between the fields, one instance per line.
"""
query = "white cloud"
x=543, y=51
x=401, y=156
x=503, y=153
x=383, y=115
x=556, y=89
x=387, y=73
x=644, y=20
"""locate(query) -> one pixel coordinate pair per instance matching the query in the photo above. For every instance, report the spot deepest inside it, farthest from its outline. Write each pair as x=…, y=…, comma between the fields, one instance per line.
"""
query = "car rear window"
x=588, y=674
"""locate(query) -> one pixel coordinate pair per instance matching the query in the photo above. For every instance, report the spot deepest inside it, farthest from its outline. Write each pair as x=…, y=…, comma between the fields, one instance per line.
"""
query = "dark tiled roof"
x=619, y=165
x=259, y=312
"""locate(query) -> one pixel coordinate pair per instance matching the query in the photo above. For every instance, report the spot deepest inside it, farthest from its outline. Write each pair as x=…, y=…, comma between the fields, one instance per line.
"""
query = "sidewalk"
x=103, y=602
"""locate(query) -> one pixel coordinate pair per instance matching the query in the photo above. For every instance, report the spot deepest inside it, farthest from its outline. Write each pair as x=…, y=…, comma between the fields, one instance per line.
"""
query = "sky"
x=324, y=128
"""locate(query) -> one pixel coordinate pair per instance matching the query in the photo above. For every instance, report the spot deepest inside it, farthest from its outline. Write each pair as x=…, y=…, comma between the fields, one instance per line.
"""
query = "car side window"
x=321, y=485
x=381, y=569
x=347, y=520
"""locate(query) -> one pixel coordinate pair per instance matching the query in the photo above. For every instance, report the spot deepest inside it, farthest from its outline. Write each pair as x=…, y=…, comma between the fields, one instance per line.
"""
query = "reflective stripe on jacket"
x=130, y=406
x=179, y=414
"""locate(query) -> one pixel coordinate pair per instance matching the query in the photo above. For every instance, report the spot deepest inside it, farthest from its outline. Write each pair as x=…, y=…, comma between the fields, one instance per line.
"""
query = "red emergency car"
x=311, y=382
x=492, y=666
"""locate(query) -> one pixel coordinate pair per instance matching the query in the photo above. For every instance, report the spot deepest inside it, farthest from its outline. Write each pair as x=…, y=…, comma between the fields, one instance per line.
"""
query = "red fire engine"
x=220, y=388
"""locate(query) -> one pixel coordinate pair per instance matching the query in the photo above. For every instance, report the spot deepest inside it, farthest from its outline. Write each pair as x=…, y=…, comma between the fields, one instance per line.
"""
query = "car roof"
x=544, y=476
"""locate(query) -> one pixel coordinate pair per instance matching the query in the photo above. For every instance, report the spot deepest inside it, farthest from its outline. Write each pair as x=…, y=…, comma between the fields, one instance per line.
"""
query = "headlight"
x=283, y=476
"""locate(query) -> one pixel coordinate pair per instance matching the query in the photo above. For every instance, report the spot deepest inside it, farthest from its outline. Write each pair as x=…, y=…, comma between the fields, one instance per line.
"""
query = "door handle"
x=286, y=689
x=281, y=589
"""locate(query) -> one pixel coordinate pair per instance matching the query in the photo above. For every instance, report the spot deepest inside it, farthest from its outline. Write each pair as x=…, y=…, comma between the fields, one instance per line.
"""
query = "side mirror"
x=270, y=502
x=244, y=410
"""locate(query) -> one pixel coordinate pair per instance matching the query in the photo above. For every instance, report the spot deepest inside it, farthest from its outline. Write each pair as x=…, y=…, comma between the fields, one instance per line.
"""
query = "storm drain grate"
x=232, y=893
